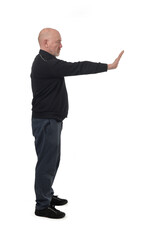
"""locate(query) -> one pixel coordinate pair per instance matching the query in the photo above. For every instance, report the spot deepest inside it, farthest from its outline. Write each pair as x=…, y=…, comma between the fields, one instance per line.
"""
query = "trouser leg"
x=47, y=133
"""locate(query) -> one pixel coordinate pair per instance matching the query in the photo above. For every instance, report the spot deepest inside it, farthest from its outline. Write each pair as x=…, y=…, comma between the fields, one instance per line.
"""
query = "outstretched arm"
x=115, y=63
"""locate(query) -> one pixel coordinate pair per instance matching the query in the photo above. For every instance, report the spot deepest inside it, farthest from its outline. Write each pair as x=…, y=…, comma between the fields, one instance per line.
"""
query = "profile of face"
x=54, y=44
x=50, y=41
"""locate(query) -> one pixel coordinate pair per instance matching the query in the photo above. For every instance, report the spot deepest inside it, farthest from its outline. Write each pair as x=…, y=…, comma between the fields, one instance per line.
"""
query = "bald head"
x=50, y=40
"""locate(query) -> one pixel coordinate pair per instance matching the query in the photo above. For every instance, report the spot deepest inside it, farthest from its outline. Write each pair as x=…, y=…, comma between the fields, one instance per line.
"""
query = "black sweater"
x=50, y=98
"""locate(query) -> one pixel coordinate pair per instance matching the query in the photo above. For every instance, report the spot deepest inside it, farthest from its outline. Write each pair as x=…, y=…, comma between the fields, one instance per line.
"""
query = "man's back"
x=50, y=98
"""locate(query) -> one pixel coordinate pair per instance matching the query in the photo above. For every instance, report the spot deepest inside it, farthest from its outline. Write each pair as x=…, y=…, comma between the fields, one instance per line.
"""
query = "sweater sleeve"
x=62, y=68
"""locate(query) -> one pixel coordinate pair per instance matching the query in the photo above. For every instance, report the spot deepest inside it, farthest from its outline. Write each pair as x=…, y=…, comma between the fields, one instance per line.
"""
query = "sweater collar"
x=46, y=55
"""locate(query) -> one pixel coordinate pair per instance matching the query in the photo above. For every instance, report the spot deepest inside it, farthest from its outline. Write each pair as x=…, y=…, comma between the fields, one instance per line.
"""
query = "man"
x=49, y=109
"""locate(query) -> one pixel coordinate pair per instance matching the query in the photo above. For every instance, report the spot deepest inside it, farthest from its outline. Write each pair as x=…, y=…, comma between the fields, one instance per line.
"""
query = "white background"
x=110, y=162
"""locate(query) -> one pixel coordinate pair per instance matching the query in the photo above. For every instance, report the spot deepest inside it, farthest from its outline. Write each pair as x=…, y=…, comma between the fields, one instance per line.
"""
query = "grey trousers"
x=47, y=133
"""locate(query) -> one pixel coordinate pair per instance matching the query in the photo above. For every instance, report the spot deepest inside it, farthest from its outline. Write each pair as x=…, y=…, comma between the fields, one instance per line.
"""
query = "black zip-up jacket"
x=50, y=98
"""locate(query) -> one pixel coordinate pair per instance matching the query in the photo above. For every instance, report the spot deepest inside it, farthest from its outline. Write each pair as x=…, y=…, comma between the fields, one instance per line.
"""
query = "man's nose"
x=61, y=46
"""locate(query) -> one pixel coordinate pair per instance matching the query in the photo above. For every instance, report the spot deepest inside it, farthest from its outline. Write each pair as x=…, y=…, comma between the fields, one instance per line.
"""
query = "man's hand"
x=115, y=63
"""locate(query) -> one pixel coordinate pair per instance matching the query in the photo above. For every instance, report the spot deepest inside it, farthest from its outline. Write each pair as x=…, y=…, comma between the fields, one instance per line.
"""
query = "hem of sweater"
x=48, y=115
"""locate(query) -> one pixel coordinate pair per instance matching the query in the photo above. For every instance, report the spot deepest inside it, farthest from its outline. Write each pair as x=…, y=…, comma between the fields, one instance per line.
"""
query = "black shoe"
x=50, y=212
x=56, y=201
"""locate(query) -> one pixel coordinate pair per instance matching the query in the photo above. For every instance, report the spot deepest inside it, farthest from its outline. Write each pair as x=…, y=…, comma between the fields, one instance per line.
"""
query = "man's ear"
x=46, y=43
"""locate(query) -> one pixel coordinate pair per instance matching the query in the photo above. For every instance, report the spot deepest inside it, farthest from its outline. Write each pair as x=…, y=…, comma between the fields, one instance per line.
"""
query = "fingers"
x=116, y=62
x=120, y=55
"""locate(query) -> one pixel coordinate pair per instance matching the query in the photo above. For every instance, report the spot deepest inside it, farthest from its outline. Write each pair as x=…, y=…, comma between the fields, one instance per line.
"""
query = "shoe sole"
x=58, y=217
